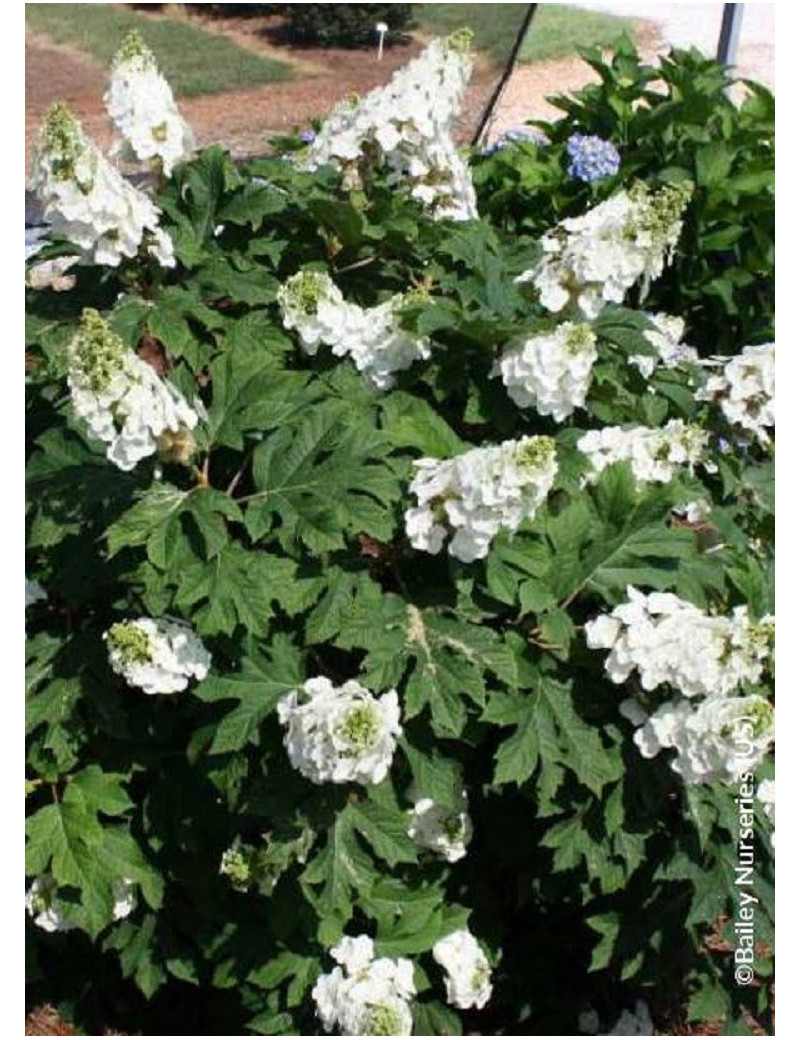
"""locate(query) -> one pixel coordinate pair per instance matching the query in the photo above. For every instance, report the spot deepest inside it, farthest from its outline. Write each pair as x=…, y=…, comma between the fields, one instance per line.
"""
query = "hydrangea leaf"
x=67, y=838
x=323, y=479
x=257, y=686
x=237, y=587
x=549, y=730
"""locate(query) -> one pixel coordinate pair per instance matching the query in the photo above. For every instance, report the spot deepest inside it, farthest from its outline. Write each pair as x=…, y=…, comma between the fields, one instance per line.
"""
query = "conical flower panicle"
x=142, y=110
x=120, y=397
x=88, y=202
x=406, y=126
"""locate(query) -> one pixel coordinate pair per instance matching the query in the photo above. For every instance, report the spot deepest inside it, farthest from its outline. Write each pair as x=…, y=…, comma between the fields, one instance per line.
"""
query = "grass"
x=193, y=60
x=557, y=30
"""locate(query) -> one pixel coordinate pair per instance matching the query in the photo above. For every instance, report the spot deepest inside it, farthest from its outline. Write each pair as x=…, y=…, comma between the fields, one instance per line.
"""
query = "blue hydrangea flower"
x=591, y=158
x=521, y=133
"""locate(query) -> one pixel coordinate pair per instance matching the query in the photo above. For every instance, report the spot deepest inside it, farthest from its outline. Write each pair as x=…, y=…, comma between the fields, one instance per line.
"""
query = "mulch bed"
x=46, y=1021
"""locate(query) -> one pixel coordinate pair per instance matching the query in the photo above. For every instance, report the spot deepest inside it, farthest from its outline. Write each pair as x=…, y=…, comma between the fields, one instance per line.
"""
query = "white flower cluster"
x=34, y=592
x=655, y=454
x=475, y=495
x=372, y=337
x=468, y=977
x=550, y=371
x=445, y=831
x=90, y=203
x=365, y=996
x=716, y=740
x=717, y=734
x=157, y=655
x=340, y=734
x=667, y=339
x=745, y=390
x=668, y=640
x=406, y=126
x=596, y=258
x=40, y=902
x=119, y=396
x=141, y=107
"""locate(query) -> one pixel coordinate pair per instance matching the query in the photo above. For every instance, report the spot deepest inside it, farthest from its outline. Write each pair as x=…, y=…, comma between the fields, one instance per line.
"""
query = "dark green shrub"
x=685, y=126
x=345, y=25
x=236, y=10
x=280, y=532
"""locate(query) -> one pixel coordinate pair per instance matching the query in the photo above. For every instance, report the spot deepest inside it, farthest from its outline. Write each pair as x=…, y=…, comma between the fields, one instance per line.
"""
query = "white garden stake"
x=381, y=29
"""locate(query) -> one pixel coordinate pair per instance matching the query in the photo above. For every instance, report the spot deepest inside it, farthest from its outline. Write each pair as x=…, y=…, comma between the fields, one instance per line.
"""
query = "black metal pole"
x=501, y=83
x=729, y=33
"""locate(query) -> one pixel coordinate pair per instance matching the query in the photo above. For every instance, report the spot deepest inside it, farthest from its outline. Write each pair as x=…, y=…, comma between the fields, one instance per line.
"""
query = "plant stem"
x=201, y=474
x=356, y=265
x=238, y=476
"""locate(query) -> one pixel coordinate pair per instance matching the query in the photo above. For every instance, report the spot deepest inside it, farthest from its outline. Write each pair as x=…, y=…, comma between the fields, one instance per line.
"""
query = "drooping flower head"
x=340, y=734
x=471, y=497
x=119, y=396
x=597, y=257
x=468, y=977
x=670, y=641
x=745, y=391
x=372, y=337
x=313, y=306
x=365, y=995
x=717, y=740
x=142, y=109
x=655, y=454
x=550, y=371
x=591, y=158
x=156, y=654
x=444, y=830
x=88, y=202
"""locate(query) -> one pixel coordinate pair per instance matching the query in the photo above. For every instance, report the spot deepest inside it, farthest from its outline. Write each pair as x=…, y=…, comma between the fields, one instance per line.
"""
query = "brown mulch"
x=46, y=1021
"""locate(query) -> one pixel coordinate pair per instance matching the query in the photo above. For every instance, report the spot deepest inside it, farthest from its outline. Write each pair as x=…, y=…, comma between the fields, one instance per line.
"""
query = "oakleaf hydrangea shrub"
x=399, y=611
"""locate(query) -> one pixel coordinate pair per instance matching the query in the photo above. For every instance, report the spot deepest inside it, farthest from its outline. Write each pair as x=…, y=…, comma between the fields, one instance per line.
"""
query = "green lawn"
x=557, y=29
x=193, y=60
